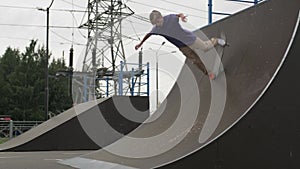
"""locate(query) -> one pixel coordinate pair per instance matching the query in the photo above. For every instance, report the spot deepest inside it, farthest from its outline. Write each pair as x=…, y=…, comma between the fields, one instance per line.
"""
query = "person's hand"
x=137, y=46
x=183, y=18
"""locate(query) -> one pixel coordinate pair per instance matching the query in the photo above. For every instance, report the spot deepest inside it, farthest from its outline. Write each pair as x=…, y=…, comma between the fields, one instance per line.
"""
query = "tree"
x=8, y=63
x=58, y=88
x=22, y=84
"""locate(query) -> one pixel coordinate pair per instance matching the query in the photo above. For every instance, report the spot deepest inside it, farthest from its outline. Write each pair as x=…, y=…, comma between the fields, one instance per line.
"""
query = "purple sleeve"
x=175, y=17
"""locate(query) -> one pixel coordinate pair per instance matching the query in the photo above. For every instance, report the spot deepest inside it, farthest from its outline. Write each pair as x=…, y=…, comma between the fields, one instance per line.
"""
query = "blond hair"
x=153, y=15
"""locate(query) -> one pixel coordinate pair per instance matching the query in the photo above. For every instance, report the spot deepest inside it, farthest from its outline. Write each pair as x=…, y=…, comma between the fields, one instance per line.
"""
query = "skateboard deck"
x=218, y=66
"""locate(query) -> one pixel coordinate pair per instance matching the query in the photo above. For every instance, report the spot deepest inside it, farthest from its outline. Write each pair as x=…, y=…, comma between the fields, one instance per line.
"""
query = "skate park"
x=260, y=66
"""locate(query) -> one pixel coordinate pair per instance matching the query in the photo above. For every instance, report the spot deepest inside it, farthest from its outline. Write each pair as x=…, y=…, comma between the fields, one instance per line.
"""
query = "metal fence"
x=10, y=129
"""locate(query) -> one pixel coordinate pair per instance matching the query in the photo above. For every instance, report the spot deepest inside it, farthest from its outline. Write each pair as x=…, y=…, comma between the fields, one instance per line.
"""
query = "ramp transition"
x=260, y=38
x=65, y=132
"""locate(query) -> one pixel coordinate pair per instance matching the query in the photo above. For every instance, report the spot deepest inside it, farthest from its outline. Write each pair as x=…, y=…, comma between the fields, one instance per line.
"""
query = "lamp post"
x=156, y=53
x=156, y=69
x=46, y=62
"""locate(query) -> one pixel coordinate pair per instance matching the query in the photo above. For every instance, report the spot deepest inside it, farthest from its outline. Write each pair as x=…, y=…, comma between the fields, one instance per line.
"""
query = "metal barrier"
x=132, y=76
x=132, y=79
x=10, y=129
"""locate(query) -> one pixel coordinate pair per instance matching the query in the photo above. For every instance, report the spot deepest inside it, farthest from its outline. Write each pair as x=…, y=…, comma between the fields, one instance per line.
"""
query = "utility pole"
x=71, y=56
x=46, y=61
x=46, y=65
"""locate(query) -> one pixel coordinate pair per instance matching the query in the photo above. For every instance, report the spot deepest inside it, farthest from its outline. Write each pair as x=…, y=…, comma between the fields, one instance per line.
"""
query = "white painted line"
x=57, y=159
x=85, y=163
x=72, y=153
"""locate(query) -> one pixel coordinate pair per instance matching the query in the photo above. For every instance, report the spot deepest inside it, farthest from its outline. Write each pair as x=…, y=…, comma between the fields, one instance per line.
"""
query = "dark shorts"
x=193, y=56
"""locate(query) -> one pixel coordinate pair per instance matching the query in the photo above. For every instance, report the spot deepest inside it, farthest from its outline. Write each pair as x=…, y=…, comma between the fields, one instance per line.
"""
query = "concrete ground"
x=36, y=160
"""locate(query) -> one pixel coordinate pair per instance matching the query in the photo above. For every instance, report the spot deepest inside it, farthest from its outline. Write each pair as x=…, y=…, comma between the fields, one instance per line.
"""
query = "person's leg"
x=193, y=56
x=204, y=45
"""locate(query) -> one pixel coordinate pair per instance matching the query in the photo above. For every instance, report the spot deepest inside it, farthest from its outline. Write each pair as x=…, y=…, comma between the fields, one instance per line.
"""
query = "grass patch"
x=2, y=140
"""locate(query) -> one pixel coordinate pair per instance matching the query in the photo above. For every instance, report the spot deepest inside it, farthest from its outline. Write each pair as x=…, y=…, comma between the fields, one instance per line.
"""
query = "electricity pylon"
x=104, y=45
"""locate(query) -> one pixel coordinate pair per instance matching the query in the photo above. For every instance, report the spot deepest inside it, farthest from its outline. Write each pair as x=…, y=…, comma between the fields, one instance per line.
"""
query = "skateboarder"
x=168, y=26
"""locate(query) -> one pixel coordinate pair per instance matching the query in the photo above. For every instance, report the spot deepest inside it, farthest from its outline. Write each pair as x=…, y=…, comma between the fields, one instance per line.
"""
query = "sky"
x=21, y=21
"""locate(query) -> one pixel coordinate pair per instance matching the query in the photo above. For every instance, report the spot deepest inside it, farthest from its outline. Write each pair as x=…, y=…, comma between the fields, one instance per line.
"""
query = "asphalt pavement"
x=37, y=160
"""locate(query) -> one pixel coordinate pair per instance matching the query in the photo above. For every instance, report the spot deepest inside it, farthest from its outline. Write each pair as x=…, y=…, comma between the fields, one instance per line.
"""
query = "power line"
x=36, y=26
x=16, y=38
x=17, y=7
x=36, y=8
x=181, y=5
x=157, y=7
x=71, y=3
x=64, y=38
x=29, y=39
x=73, y=22
x=133, y=28
x=68, y=10
x=142, y=18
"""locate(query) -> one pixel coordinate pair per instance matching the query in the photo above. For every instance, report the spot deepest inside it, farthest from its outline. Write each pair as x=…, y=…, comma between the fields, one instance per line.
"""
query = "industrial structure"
x=105, y=71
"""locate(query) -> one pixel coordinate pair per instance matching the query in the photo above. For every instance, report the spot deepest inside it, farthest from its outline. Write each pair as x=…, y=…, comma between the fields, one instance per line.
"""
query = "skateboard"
x=218, y=66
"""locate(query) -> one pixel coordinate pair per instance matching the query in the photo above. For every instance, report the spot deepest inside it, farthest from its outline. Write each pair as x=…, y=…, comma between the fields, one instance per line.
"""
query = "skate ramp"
x=268, y=136
x=195, y=113
x=65, y=132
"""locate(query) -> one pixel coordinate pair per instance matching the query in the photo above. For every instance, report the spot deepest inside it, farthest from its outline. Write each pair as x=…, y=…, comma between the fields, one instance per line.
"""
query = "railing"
x=132, y=80
x=135, y=74
x=128, y=79
x=10, y=129
x=211, y=12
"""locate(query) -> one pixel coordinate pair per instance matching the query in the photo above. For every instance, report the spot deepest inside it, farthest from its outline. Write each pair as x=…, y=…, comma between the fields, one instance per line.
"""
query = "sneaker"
x=221, y=42
x=211, y=76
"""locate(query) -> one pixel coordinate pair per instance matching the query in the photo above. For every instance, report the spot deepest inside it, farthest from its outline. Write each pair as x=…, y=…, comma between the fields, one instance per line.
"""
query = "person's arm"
x=182, y=17
x=144, y=39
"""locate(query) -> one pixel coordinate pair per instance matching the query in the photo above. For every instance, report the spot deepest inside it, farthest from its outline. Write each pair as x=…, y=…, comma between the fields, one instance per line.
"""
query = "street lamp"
x=156, y=69
x=46, y=62
x=157, y=73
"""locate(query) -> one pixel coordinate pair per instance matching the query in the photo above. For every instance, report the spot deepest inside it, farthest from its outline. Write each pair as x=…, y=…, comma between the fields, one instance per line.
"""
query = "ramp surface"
x=65, y=131
x=195, y=113
x=268, y=136
x=20, y=142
